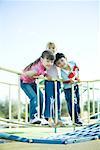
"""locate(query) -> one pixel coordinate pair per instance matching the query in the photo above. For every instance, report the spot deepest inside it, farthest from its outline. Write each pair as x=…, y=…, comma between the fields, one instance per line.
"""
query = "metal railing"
x=85, y=87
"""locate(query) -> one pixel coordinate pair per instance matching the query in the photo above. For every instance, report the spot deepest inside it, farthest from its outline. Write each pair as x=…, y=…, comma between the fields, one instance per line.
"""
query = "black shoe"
x=78, y=123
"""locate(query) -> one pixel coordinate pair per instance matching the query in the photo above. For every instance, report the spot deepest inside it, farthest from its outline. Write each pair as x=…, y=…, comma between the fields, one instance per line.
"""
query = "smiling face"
x=61, y=63
x=47, y=63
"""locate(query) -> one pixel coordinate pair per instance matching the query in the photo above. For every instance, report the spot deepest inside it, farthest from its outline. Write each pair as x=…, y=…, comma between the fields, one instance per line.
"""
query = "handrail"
x=19, y=73
x=8, y=83
x=10, y=70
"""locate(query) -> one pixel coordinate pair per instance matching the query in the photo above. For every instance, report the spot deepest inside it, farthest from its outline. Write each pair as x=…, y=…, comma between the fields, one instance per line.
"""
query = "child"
x=69, y=74
x=50, y=90
x=28, y=84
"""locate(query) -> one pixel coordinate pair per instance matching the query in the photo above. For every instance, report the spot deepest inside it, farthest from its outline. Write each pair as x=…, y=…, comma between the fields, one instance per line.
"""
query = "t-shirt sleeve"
x=35, y=69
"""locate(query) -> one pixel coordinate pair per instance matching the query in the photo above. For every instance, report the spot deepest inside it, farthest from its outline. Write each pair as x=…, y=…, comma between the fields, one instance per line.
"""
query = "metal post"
x=10, y=102
x=98, y=108
x=93, y=99
x=88, y=98
x=56, y=106
x=43, y=103
x=26, y=110
x=19, y=100
x=38, y=98
x=81, y=100
x=73, y=103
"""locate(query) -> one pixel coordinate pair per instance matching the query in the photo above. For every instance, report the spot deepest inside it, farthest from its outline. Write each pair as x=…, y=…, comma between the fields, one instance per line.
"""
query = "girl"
x=50, y=90
x=30, y=74
x=70, y=74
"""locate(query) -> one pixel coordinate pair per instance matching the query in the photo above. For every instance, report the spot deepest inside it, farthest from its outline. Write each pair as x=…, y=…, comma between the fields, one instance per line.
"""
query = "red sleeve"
x=71, y=75
x=75, y=67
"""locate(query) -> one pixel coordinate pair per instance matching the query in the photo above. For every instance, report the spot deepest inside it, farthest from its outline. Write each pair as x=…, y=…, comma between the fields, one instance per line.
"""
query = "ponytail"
x=27, y=68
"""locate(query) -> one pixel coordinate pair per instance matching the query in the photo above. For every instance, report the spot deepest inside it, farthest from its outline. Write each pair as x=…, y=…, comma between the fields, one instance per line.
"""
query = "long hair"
x=45, y=54
x=27, y=68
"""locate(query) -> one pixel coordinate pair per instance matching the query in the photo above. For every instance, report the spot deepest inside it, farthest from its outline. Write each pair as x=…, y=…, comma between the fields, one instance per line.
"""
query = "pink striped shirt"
x=38, y=68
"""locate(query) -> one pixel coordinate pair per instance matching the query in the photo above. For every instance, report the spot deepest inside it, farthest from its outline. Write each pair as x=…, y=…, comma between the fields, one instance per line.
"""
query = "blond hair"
x=50, y=45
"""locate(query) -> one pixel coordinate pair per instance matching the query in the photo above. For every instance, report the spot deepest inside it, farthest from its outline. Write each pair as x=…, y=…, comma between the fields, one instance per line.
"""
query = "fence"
x=89, y=95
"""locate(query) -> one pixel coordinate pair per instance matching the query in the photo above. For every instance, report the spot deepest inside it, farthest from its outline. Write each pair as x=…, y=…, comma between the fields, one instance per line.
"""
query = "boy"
x=69, y=74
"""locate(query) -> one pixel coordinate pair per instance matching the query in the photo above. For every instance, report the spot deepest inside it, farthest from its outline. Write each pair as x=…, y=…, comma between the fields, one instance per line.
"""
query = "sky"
x=73, y=25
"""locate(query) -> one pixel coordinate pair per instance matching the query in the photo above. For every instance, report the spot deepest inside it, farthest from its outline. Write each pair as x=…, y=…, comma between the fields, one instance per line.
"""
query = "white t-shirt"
x=54, y=72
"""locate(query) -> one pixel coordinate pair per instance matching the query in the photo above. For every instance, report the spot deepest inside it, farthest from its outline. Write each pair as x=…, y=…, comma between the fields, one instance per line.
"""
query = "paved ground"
x=92, y=145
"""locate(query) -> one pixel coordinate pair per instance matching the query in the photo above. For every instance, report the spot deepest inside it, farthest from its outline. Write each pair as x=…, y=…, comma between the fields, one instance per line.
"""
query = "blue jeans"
x=49, y=99
x=30, y=90
x=68, y=97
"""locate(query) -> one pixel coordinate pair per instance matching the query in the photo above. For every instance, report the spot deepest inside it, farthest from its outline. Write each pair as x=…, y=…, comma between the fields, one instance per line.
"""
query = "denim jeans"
x=49, y=99
x=68, y=97
x=30, y=90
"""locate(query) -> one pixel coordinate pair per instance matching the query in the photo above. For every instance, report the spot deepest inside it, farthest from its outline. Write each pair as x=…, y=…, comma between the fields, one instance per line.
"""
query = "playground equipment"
x=85, y=87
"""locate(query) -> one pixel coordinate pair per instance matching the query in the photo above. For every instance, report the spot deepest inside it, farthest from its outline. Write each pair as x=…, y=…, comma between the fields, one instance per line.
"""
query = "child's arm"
x=29, y=73
x=32, y=74
x=47, y=77
x=74, y=75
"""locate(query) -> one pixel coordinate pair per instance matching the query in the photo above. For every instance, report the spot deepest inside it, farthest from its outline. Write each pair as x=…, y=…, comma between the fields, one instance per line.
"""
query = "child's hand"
x=72, y=80
x=78, y=80
x=41, y=77
x=49, y=78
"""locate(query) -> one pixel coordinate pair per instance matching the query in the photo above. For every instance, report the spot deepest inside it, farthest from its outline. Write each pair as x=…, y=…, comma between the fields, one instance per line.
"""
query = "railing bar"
x=56, y=105
x=19, y=100
x=93, y=99
x=26, y=110
x=9, y=70
x=73, y=103
x=8, y=83
x=38, y=98
x=88, y=98
x=10, y=103
x=81, y=100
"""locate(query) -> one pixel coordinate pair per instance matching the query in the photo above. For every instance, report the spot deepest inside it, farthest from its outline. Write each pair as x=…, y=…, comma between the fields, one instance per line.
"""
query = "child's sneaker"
x=35, y=121
x=78, y=123
x=44, y=122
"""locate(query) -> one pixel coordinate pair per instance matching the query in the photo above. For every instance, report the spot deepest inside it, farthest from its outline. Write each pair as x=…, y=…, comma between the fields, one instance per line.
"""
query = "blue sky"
x=27, y=26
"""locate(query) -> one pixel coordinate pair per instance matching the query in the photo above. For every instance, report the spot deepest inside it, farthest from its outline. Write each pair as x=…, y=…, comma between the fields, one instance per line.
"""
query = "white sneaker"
x=35, y=121
x=44, y=122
